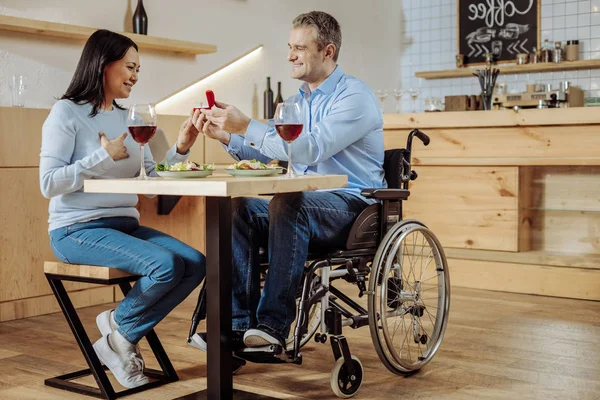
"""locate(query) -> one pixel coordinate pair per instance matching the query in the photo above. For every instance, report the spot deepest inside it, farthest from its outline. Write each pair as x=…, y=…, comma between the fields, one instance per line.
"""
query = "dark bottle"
x=269, y=111
x=278, y=98
x=140, y=19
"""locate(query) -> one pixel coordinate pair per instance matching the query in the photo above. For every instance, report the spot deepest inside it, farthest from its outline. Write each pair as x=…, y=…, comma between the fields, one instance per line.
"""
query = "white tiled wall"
x=429, y=43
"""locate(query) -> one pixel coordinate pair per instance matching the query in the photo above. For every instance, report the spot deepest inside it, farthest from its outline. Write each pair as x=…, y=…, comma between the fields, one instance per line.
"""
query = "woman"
x=84, y=137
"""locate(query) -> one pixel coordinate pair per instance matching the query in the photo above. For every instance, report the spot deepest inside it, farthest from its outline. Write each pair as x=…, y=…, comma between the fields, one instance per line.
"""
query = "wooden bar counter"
x=513, y=196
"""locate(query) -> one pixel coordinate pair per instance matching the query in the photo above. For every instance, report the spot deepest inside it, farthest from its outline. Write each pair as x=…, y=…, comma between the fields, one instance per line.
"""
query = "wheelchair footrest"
x=271, y=354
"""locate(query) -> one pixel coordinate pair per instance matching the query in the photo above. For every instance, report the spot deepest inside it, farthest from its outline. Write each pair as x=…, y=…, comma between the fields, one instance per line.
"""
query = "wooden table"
x=218, y=190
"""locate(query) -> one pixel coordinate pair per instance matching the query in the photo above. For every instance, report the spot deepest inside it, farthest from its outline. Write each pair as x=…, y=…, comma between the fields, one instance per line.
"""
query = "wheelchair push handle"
x=415, y=132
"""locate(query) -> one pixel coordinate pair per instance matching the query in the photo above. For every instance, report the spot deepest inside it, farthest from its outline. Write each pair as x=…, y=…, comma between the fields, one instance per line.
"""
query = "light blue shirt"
x=343, y=134
x=71, y=152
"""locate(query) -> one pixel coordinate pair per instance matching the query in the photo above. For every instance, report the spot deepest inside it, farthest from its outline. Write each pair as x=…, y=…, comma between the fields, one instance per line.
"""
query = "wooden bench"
x=56, y=273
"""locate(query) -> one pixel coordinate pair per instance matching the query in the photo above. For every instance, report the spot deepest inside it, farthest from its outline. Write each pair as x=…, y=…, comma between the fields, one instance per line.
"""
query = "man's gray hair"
x=326, y=27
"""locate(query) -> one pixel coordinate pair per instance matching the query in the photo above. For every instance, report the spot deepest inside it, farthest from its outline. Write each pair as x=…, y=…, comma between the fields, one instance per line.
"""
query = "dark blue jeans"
x=288, y=225
x=169, y=269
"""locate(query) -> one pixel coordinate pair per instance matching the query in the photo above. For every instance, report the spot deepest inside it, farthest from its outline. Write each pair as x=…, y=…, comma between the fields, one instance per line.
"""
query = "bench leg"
x=104, y=389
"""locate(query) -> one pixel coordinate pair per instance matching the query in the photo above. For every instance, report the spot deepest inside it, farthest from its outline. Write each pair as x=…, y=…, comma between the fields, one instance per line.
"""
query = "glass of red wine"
x=288, y=120
x=141, y=121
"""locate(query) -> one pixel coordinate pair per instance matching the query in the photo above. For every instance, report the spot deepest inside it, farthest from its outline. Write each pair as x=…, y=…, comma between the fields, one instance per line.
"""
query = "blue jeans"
x=169, y=269
x=287, y=225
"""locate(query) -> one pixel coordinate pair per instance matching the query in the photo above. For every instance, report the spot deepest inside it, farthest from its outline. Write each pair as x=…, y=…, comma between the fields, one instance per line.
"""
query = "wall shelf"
x=81, y=33
x=512, y=69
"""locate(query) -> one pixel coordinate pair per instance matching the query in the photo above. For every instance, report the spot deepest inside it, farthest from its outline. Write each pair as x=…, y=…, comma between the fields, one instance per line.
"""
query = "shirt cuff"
x=173, y=156
x=235, y=144
x=255, y=134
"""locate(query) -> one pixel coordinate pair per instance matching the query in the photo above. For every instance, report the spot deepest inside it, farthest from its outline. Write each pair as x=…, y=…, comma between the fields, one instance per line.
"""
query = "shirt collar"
x=328, y=85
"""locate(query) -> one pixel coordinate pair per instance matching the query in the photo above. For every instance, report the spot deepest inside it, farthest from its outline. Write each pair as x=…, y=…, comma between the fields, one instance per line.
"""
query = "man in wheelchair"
x=342, y=134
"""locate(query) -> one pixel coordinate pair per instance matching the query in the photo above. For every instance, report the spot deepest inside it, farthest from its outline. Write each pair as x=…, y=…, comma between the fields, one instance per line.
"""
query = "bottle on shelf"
x=558, y=52
x=533, y=56
x=140, y=19
x=546, y=53
x=279, y=97
x=269, y=111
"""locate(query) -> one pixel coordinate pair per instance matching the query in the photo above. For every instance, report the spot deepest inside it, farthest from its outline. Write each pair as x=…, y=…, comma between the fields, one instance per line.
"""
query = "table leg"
x=218, y=305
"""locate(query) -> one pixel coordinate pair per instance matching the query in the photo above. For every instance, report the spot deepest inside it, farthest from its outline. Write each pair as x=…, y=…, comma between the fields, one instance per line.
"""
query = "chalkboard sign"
x=504, y=28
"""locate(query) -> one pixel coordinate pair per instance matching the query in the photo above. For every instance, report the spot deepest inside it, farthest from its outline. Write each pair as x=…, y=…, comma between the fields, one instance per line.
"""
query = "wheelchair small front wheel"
x=343, y=383
x=409, y=297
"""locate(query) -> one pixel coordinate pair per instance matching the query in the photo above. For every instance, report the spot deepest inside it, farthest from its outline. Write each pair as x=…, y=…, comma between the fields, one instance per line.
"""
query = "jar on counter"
x=558, y=52
x=572, y=50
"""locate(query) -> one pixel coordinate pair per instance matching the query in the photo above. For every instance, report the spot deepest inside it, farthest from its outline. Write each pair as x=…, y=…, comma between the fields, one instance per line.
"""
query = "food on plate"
x=252, y=165
x=185, y=166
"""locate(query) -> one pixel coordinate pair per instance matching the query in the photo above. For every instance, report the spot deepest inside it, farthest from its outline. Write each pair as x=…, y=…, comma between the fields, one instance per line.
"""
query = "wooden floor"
x=497, y=346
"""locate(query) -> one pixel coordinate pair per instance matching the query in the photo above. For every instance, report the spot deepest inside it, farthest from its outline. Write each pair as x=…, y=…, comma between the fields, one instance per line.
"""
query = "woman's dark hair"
x=101, y=49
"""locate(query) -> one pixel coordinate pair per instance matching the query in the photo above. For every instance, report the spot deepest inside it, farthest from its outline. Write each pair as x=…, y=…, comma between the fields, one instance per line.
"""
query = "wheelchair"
x=399, y=264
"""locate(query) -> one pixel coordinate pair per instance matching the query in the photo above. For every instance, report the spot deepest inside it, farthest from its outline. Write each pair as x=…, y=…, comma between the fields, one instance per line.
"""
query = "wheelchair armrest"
x=386, y=194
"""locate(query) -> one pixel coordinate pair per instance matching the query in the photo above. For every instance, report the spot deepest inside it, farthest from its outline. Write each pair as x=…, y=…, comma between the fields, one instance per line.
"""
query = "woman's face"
x=121, y=75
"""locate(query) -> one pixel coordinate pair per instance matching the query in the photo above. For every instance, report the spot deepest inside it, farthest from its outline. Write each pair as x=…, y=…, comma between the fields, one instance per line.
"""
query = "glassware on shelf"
x=382, y=94
x=17, y=90
x=398, y=93
x=414, y=95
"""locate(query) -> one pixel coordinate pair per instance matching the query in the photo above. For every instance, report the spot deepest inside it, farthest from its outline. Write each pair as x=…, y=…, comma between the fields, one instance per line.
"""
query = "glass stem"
x=290, y=170
x=142, y=167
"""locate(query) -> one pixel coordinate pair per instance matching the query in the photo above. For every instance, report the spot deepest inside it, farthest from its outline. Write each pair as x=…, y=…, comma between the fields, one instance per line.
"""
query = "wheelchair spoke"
x=410, y=283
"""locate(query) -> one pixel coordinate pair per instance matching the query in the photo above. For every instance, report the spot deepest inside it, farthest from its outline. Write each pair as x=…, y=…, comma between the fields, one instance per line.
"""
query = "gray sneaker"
x=127, y=368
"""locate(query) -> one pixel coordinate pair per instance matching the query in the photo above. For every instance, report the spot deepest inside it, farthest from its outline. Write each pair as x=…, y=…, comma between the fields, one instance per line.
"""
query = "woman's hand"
x=188, y=133
x=116, y=148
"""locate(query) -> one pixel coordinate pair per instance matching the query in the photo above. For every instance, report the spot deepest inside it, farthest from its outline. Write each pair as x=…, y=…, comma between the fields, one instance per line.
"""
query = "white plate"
x=184, y=174
x=254, y=172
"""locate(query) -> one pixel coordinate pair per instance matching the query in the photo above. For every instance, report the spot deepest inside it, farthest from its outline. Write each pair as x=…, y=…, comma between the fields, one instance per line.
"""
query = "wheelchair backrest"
x=365, y=232
x=392, y=167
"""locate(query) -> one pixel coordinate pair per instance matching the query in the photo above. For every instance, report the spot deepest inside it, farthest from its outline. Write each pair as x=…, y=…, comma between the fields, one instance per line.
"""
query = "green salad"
x=185, y=166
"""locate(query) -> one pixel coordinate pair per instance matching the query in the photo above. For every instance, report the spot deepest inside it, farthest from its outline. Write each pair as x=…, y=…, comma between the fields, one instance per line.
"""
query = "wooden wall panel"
x=23, y=308
x=186, y=222
x=19, y=126
x=534, y=145
x=468, y=207
x=21, y=136
x=24, y=244
x=542, y=280
x=215, y=153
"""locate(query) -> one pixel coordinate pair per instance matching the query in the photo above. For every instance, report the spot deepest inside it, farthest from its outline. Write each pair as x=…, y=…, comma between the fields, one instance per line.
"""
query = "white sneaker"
x=127, y=368
x=106, y=323
x=260, y=338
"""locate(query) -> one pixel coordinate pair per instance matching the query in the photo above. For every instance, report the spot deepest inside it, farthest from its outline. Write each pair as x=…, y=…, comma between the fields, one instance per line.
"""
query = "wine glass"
x=288, y=123
x=414, y=95
x=141, y=121
x=398, y=93
x=382, y=94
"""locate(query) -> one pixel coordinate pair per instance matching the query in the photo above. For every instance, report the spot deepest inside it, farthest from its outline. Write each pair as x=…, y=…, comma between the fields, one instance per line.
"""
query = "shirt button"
x=252, y=144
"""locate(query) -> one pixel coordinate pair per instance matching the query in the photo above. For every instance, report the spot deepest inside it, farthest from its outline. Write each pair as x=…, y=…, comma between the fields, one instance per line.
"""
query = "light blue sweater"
x=71, y=152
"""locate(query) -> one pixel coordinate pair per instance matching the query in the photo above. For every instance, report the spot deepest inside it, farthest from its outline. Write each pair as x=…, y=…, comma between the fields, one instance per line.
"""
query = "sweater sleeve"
x=57, y=175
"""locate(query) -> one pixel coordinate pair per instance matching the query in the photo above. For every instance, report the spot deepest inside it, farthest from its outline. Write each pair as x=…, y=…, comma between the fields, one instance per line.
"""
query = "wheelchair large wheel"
x=409, y=297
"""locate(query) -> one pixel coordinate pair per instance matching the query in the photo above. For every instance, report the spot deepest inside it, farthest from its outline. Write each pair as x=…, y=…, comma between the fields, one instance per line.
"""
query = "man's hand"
x=188, y=133
x=214, y=132
x=116, y=148
x=227, y=118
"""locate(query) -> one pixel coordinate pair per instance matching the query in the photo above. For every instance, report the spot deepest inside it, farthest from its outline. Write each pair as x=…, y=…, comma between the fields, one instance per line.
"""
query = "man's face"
x=308, y=62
